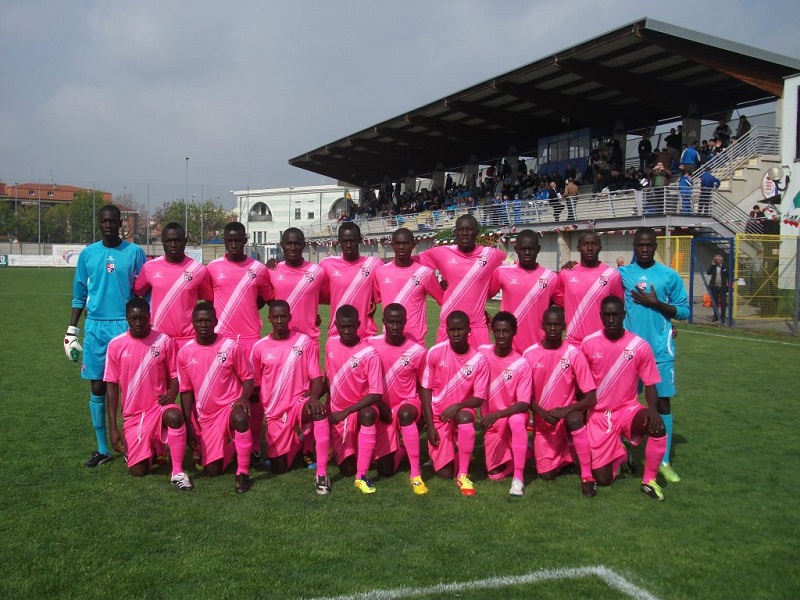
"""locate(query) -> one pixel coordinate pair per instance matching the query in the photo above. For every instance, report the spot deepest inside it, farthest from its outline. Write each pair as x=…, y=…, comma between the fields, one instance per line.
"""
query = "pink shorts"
x=445, y=452
x=497, y=444
x=143, y=432
x=246, y=346
x=215, y=433
x=282, y=430
x=345, y=437
x=550, y=445
x=605, y=429
x=388, y=436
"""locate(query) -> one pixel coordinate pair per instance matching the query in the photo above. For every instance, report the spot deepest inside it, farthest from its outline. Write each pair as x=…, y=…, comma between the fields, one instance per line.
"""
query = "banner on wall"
x=66, y=255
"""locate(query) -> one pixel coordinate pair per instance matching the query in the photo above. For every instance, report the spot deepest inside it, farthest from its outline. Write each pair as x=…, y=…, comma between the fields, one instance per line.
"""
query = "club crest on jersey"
x=251, y=274
x=365, y=271
x=603, y=280
x=542, y=282
x=565, y=363
x=222, y=357
x=354, y=362
x=298, y=351
x=466, y=370
x=405, y=360
x=508, y=374
x=110, y=266
x=482, y=260
x=641, y=286
x=628, y=354
x=187, y=276
x=415, y=280
x=309, y=277
x=154, y=351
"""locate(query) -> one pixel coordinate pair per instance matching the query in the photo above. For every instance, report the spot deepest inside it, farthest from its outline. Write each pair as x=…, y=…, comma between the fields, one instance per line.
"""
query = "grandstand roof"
x=628, y=79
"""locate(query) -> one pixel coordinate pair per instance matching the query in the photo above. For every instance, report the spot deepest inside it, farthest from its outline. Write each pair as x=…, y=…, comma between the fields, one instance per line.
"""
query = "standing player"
x=103, y=285
x=618, y=360
x=286, y=367
x=241, y=288
x=409, y=283
x=528, y=289
x=654, y=295
x=140, y=372
x=355, y=379
x=403, y=361
x=505, y=412
x=175, y=283
x=455, y=383
x=559, y=371
x=351, y=279
x=582, y=287
x=468, y=269
x=216, y=379
x=299, y=282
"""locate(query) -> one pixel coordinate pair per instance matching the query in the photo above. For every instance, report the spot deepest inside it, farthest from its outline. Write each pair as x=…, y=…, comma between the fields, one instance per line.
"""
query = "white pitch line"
x=736, y=337
x=610, y=577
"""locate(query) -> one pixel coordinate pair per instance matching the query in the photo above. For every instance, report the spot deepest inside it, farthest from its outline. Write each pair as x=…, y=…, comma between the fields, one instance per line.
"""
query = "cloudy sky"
x=120, y=93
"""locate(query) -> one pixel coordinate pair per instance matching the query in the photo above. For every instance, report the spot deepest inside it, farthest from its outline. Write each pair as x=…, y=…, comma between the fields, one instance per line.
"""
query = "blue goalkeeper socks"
x=668, y=428
x=97, y=408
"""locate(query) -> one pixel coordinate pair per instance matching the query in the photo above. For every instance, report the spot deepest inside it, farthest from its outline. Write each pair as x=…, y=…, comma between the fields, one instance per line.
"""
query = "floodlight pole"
x=186, y=200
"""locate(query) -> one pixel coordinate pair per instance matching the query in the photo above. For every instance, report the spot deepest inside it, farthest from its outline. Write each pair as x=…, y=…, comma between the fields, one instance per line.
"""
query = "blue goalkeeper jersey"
x=649, y=323
x=104, y=279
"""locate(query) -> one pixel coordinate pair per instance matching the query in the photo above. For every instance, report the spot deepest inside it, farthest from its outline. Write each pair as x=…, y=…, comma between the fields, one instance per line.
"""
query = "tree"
x=6, y=220
x=82, y=216
x=55, y=224
x=214, y=218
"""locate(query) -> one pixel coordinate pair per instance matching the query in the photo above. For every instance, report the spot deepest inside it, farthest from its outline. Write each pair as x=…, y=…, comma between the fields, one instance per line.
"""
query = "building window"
x=311, y=215
x=31, y=193
x=49, y=194
x=297, y=213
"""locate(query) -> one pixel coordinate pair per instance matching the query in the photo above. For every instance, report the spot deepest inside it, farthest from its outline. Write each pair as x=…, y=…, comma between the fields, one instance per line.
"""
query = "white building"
x=266, y=213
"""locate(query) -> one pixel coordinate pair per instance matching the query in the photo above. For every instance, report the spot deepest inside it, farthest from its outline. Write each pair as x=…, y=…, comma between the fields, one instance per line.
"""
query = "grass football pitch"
x=730, y=529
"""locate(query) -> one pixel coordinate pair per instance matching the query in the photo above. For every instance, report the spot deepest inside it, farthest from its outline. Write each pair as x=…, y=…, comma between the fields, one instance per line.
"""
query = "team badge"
x=405, y=360
x=482, y=260
x=365, y=271
x=542, y=282
x=565, y=363
x=508, y=374
x=154, y=351
x=110, y=266
x=298, y=351
x=251, y=274
x=642, y=286
x=222, y=357
x=187, y=276
x=603, y=280
x=309, y=277
x=354, y=362
x=628, y=354
x=467, y=370
x=415, y=280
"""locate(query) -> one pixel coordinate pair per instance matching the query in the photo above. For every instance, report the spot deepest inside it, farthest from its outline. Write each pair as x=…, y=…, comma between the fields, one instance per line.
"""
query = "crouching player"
x=140, y=375
x=505, y=412
x=559, y=371
x=216, y=379
x=286, y=367
x=403, y=361
x=455, y=382
x=618, y=359
x=355, y=378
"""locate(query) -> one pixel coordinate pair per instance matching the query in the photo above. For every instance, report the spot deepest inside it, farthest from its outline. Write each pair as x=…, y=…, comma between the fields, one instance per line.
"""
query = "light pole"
x=16, y=218
x=186, y=200
x=39, y=194
x=194, y=200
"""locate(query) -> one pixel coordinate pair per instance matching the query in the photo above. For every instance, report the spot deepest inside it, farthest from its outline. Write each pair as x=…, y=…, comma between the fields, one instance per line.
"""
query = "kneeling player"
x=455, y=382
x=215, y=376
x=139, y=372
x=618, y=359
x=355, y=380
x=559, y=371
x=505, y=412
x=286, y=367
x=403, y=361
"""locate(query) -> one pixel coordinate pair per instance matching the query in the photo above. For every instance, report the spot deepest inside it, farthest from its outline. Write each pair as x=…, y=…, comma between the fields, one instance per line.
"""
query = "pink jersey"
x=214, y=373
x=174, y=291
x=353, y=372
x=409, y=286
x=558, y=374
x=617, y=367
x=402, y=369
x=302, y=288
x=284, y=370
x=509, y=379
x=468, y=277
x=580, y=291
x=526, y=294
x=142, y=368
x=237, y=287
x=454, y=377
x=352, y=283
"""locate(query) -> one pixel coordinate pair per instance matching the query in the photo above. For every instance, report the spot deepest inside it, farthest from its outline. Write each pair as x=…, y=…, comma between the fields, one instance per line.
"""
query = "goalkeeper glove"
x=71, y=346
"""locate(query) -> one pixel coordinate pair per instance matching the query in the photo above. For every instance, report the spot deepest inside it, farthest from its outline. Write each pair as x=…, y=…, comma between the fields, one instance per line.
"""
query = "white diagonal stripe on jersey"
x=461, y=289
x=302, y=285
x=140, y=376
x=172, y=295
x=236, y=298
x=211, y=376
x=394, y=370
x=527, y=302
x=354, y=287
x=284, y=377
x=588, y=300
x=405, y=292
x=453, y=383
x=343, y=370
x=558, y=373
x=499, y=381
x=616, y=369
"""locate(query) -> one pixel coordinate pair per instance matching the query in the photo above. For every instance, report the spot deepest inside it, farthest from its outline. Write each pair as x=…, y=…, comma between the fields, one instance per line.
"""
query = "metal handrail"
x=760, y=140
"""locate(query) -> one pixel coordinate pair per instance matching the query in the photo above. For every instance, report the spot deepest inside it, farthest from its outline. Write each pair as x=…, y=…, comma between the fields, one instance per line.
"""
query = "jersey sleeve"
x=678, y=297
x=265, y=289
x=525, y=384
x=111, y=374
x=648, y=371
x=255, y=360
x=433, y=288
x=242, y=365
x=80, y=290
x=375, y=373
x=430, y=257
x=184, y=381
x=558, y=293
x=141, y=284
x=312, y=359
x=583, y=374
x=615, y=286
x=494, y=284
x=428, y=370
x=205, y=291
x=480, y=387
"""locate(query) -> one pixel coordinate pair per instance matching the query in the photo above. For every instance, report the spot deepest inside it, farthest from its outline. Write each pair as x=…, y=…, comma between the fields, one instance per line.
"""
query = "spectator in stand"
x=690, y=158
x=743, y=127
x=723, y=133
x=705, y=152
x=616, y=159
x=571, y=192
x=665, y=158
x=707, y=183
x=756, y=222
x=569, y=172
x=685, y=187
x=645, y=149
x=554, y=196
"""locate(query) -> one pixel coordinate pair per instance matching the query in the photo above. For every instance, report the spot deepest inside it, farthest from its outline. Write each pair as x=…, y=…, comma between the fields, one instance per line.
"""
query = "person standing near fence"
x=719, y=284
x=708, y=183
x=571, y=192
